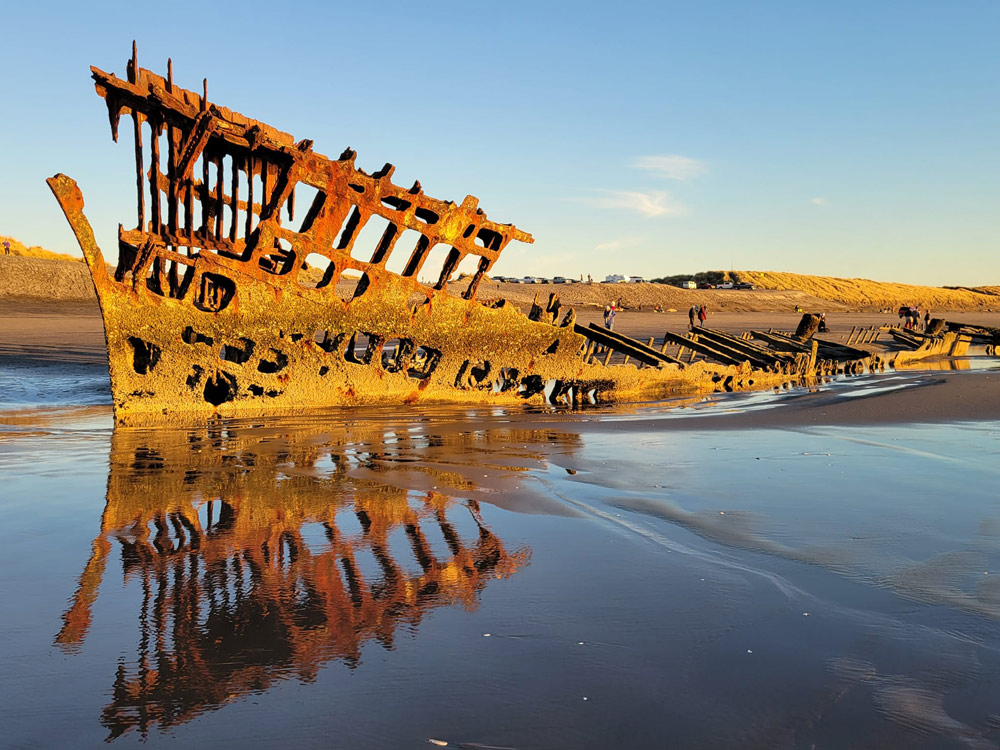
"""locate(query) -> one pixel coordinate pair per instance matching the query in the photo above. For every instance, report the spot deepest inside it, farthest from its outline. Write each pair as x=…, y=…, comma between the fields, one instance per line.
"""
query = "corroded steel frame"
x=213, y=308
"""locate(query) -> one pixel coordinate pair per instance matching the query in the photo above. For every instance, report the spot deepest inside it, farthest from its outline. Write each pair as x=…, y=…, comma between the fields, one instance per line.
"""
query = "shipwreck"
x=256, y=281
x=237, y=294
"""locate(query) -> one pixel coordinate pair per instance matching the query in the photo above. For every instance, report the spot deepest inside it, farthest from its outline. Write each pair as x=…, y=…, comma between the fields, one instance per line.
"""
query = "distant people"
x=607, y=316
x=822, y=323
x=702, y=314
x=927, y=319
x=6, y=247
x=611, y=319
x=692, y=314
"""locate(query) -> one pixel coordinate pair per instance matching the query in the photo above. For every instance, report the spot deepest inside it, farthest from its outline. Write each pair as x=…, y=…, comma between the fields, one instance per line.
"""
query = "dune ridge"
x=18, y=248
x=865, y=293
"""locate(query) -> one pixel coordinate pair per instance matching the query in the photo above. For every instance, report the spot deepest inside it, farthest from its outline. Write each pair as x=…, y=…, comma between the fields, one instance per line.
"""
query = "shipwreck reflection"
x=254, y=555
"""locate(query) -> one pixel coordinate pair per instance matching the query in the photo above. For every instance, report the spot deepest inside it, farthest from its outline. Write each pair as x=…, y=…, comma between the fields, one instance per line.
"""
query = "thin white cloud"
x=651, y=204
x=617, y=244
x=671, y=166
x=818, y=201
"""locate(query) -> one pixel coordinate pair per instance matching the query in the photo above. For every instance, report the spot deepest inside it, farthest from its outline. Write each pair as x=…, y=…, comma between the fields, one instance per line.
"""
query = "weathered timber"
x=948, y=344
x=977, y=334
x=824, y=357
x=705, y=348
x=780, y=341
x=807, y=327
x=934, y=327
x=623, y=344
x=726, y=345
x=826, y=349
x=907, y=338
x=738, y=343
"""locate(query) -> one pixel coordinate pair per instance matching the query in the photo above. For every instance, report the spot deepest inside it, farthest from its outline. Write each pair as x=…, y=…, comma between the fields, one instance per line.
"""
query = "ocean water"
x=38, y=383
x=494, y=578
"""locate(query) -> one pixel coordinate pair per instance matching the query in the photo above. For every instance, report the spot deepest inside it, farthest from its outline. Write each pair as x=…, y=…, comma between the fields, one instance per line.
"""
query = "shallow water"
x=471, y=576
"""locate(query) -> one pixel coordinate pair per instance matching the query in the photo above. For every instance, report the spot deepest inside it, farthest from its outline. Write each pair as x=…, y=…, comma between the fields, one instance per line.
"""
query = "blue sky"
x=853, y=139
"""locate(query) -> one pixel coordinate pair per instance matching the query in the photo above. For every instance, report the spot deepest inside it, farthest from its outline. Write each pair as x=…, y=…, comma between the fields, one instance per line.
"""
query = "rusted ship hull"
x=220, y=305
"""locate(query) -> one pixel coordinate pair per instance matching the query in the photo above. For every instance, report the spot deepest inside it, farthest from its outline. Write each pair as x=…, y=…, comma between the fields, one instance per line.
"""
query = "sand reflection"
x=254, y=554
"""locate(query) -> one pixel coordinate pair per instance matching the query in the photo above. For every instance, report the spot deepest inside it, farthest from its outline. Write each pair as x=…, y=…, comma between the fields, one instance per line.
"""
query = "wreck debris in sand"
x=213, y=309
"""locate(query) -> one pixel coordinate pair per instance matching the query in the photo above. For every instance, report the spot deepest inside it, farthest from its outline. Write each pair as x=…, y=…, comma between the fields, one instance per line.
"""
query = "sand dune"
x=43, y=278
x=20, y=249
x=864, y=293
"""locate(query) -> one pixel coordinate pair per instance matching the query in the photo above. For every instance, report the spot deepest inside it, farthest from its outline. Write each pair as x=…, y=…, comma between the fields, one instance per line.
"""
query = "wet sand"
x=51, y=331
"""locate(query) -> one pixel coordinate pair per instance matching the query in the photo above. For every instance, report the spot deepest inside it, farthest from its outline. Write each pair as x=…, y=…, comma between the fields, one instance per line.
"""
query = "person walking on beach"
x=6, y=247
x=927, y=319
x=702, y=315
x=692, y=314
x=607, y=316
x=610, y=325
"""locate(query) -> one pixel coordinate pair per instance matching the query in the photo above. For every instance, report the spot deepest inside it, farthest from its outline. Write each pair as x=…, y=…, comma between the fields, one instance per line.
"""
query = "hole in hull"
x=276, y=362
x=220, y=388
x=215, y=292
x=237, y=354
x=191, y=336
x=144, y=355
x=396, y=354
x=425, y=360
x=473, y=374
